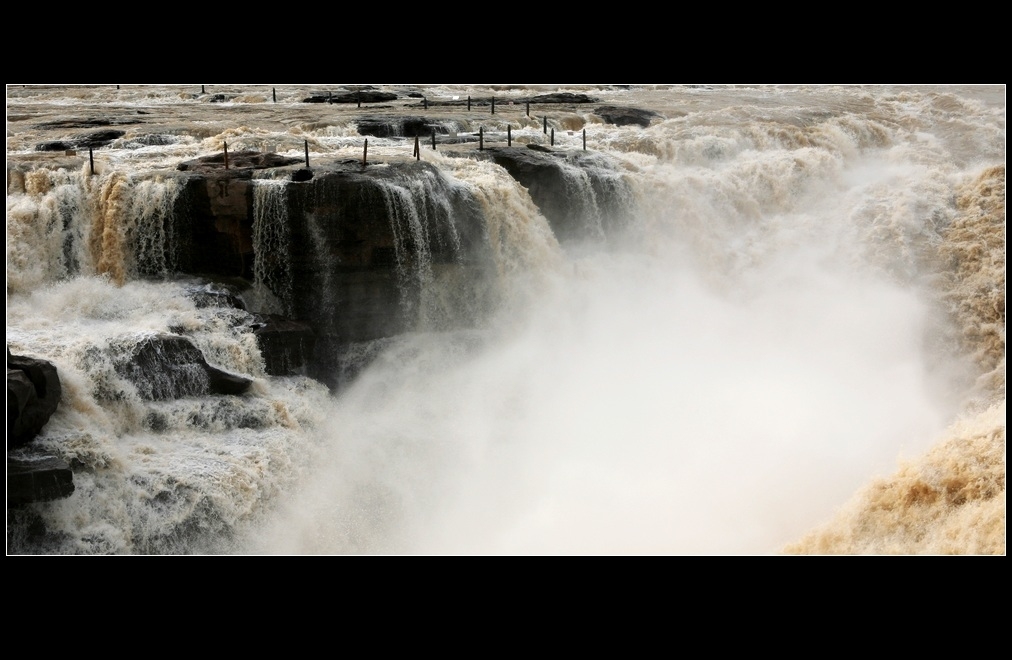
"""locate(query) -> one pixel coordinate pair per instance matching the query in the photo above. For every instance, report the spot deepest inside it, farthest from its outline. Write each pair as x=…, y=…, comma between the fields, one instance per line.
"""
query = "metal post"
x=425, y=101
x=365, y=151
x=418, y=152
x=202, y=90
x=226, y=154
x=509, y=136
x=274, y=94
x=469, y=103
x=433, y=139
x=358, y=97
x=528, y=108
x=493, y=105
x=553, y=138
x=481, y=138
x=546, y=124
x=585, y=139
x=91, y=159
x=306, y=143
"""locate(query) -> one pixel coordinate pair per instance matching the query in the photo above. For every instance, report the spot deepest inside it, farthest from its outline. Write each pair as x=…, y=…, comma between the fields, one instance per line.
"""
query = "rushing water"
x=788, y=336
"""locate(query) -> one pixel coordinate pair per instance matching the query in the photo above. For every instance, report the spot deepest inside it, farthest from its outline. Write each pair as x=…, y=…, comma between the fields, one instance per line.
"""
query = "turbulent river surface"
x=794, y=344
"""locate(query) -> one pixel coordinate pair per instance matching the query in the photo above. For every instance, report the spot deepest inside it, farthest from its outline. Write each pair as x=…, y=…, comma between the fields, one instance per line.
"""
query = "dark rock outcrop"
x=362, y=242
x=347, y=249
x=562, y=97
x=286, y=345
x=582, y=194
x=37, y=477
x=399, y=127
x=91, y=140
x=214, y=213
x=625, y=116
x=554, y=98
x=165, y=366
x=356, y=96
x=215, y=224
x=22, y=409
x=91, y=122
x=33, y=394
x=239, y=163
x=151, y=140
x=213, y=217
x=216, y=294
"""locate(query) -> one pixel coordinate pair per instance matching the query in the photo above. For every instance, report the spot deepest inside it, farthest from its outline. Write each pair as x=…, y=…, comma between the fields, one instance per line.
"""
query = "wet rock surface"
x=626, y=116
x=287, y=346
x=166, y=366
x=580, y=193
x=34, y=476
x=90, y=140
x=353, y=96
x=33, y=394
x=400, y=127
x=240, y=162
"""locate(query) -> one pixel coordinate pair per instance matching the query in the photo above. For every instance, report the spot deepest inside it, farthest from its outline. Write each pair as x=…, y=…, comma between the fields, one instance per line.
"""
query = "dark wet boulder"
x=214, y=213
x=33, y=394
x=562, y=97
x=286, y=345
x=399, y=127
x=165, y=366
x=625, y=116
x=22, y=409
x=215, y=294
x=91, y=122
x=153, y=140
x=91, y=140
x=34, y=476
x=354, y=96
x=222, y=382
x=238, y=161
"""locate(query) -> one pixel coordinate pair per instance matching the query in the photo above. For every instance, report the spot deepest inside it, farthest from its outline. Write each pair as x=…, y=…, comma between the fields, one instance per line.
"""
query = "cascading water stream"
x=411, y=242
x=272, y=271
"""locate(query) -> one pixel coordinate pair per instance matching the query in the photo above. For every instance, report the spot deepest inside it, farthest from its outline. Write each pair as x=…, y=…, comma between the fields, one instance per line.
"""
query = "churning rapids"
x=793, y=341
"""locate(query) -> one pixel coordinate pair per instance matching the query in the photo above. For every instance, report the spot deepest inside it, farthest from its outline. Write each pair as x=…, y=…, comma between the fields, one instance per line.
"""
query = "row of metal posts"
x=417, y=152
x=330, y=99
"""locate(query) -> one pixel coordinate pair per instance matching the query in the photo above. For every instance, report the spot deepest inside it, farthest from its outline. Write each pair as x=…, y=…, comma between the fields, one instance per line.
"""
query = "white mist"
x=630, y=409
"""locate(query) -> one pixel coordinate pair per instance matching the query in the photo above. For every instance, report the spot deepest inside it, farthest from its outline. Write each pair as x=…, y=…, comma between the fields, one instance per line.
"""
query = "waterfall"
x=424, y=209
x=160, y=466
x=769, y=320
x=521, y=244
x=63, y=223
x=155, y=240
x=272, y=268
x=411, y=240
x=47, y=228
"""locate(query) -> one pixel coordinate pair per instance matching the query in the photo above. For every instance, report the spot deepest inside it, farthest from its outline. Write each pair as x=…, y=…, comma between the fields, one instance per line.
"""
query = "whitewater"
x=788, y=338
